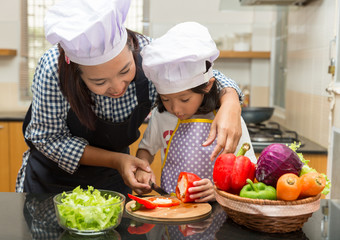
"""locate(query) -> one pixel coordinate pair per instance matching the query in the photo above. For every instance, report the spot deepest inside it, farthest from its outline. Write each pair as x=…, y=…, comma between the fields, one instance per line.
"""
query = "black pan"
x=256, y=114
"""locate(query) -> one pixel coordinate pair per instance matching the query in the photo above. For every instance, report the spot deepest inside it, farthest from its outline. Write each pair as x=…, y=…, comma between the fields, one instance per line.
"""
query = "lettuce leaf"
x=88, y=209
x=305, y=169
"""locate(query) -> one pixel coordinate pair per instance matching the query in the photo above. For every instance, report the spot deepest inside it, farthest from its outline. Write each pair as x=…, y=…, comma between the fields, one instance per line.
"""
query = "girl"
x=90, y=96
x=180, y=66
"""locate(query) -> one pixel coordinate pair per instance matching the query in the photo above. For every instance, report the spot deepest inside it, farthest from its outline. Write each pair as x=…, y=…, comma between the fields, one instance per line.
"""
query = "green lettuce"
x=88, y=209
x=305, y=169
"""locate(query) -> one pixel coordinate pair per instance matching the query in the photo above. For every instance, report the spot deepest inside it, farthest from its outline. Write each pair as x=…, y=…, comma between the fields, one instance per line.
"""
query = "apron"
x=185, y=152
x=44, y=176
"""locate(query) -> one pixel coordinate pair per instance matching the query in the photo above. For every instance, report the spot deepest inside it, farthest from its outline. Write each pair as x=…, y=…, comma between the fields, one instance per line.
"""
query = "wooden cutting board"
x=179, y=213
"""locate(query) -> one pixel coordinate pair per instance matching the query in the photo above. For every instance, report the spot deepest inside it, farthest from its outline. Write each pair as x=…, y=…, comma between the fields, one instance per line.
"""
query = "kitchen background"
x=294, y=43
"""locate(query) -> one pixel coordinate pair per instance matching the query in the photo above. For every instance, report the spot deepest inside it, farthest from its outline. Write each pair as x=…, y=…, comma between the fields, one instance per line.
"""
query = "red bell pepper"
x=231, y=172
x=139, y=228
x=185, y=181
x=153, y=202
x=148, y=204
x=174, y=202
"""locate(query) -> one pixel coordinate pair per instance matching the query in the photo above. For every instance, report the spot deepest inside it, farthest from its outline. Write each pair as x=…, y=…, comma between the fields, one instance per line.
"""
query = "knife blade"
x=157, y=188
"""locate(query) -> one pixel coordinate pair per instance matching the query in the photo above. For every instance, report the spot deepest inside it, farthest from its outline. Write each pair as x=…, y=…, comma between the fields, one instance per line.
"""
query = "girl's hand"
x=128, y=169
x=226, y=125
x=203, y=191
x=144, y=177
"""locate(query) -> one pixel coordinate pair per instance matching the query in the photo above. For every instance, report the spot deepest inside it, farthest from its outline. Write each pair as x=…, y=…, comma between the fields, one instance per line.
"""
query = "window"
x=34, y=43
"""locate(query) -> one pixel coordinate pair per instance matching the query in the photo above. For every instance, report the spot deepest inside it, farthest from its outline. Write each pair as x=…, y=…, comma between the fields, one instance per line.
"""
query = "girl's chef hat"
x=176, y=61
x=91, y=32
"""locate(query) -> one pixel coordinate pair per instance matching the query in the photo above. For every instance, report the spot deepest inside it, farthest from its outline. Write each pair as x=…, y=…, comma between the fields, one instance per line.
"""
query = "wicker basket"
x=272, y=216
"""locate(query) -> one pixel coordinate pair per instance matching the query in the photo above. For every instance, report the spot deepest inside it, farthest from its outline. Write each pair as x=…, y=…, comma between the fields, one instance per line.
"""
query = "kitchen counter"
x=31, y=216
x=12, y=116
x=308, y=147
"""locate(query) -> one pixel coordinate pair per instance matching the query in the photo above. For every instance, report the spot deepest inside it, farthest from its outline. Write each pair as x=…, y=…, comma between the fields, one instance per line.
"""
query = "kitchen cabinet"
x=8, y=52
x=12, y=147
x=245, y=54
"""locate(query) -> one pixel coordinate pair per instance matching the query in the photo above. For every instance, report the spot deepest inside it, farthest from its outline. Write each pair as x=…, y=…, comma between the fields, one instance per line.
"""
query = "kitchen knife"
x=157, y=188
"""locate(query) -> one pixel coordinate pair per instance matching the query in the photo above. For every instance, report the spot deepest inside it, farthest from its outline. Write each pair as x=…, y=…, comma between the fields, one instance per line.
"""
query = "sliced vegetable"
x=148, y=204
x=258, y=191
x=288, y=187
x=276, y=160
x=88, y=209
x=139, y=228
x=184, y=182
x=231, y=172
x=164, y=201
x=153, y=202
x=135, y=206
x=312, y=184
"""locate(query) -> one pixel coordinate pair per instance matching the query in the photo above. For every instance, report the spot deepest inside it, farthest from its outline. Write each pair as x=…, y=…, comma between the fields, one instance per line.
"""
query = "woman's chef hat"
x=176, y=61
x=91, y=32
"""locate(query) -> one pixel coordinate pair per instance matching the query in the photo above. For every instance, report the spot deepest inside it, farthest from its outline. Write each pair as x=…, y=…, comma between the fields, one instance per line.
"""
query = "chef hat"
x=176, y=61
x=91, y=32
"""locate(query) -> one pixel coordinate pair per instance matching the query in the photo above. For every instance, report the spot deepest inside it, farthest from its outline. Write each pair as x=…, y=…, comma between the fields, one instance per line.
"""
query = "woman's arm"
x=226, y=126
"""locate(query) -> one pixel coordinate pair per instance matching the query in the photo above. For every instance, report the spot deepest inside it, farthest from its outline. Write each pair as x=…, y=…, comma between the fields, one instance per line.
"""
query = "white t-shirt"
x=162, y=125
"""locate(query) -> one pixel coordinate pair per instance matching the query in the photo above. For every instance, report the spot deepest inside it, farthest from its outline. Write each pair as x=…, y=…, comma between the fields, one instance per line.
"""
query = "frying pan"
x=256, y=114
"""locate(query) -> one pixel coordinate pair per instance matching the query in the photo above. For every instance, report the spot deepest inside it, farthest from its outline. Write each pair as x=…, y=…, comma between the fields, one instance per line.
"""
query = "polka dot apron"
x=185, y=152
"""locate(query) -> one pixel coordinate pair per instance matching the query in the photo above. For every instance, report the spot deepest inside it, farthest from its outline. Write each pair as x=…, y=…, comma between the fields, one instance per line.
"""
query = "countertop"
x=12, y=116
x=31, y=216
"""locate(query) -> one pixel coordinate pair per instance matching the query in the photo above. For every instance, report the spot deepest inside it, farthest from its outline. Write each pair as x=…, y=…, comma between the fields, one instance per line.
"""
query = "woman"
x=90, y=96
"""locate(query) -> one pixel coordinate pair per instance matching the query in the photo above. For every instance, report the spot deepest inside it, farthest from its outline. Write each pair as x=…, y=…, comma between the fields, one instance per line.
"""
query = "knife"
x=157, y=188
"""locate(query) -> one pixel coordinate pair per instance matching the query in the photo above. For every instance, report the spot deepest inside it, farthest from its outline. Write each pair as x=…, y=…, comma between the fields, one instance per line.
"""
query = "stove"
x=264, y=134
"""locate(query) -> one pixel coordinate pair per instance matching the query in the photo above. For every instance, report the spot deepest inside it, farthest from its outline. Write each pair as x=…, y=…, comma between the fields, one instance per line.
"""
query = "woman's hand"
x=226, y=125
x=203, y=191
x=125, y=164
x=144, y=177
x=128, y=169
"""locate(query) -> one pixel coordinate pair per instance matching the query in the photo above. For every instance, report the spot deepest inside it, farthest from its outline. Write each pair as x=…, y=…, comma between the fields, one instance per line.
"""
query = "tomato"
x=288, y=187
x=312, y=183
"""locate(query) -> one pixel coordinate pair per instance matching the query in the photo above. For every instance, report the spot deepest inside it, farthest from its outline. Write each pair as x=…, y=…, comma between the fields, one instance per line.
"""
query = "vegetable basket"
x=271, y=216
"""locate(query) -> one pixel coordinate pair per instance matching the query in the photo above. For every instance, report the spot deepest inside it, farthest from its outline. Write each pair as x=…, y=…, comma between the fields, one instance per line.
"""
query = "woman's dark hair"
x=75, y=90
x=210, y=100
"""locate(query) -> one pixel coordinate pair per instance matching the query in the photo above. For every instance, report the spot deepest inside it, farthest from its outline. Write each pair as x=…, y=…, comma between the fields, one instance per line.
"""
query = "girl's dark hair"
x=75, y=90
x=210, y=100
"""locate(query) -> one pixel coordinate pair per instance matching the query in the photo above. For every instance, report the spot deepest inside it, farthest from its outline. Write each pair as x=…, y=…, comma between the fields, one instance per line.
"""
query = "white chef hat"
x=176, y=61
x=91, y=32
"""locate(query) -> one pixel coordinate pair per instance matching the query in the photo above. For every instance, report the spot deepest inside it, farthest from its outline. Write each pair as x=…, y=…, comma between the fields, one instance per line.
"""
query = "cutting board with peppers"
x=178, y=213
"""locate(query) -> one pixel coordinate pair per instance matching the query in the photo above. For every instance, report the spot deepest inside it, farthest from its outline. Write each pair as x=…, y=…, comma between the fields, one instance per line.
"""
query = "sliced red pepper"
x=186, y=180
x=231, y=172
x=148, y=204
x=135, y=228
x=174, y=202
